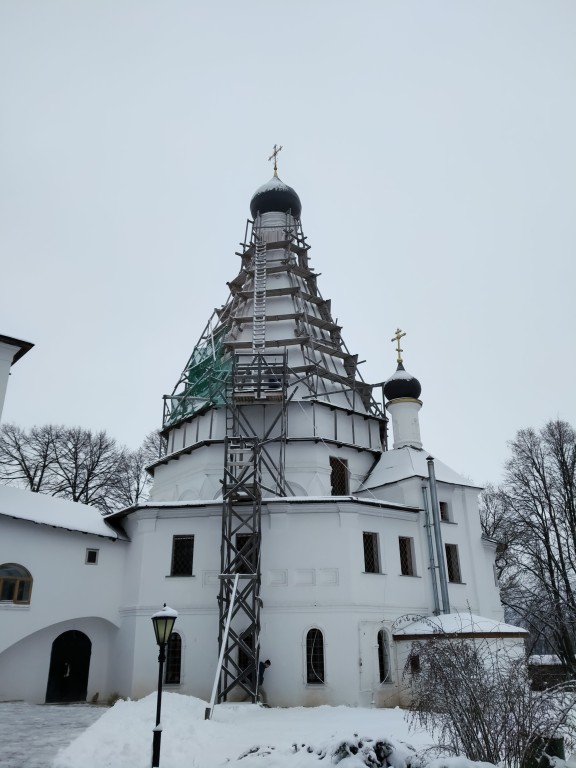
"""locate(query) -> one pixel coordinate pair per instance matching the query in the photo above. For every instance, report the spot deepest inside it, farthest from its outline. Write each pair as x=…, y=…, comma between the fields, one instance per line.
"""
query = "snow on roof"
x=50, y=510
x=403, y=463
x=458, y=623
x=150, y=504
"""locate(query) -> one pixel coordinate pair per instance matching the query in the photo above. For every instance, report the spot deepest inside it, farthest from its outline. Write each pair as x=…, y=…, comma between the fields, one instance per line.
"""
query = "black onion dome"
x=277, y=197
x=402, y=384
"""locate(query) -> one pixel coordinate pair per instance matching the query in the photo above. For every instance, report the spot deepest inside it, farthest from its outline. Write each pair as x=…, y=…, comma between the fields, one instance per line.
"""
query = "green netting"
x=204, y=380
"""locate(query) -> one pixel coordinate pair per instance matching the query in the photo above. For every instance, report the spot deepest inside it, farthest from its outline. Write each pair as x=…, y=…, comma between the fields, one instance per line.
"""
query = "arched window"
x=15, y=583
x=383, y=656
x=173, y=659
x=315, y=657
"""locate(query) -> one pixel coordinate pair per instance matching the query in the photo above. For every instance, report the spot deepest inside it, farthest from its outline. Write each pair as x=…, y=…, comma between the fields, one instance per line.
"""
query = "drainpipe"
x=432, y=566
x=438, y=537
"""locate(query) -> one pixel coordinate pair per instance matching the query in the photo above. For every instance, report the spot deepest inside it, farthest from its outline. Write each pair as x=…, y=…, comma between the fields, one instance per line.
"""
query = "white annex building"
x=280, y=501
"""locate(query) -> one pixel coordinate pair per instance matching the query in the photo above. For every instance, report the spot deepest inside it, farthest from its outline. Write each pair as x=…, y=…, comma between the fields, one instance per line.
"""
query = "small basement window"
x=92, y=556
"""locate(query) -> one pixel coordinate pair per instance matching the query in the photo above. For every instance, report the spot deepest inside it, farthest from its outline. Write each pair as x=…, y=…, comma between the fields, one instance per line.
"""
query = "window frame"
x=384, y=657
x=175, y=570
x=453, y=569
x=90, y=551
x=315, y=672
x=339, y=485
x=247, y=561
x=22, y=583
x=444, y=511
x=173, y=664
x=407, y=557
x=371, y=545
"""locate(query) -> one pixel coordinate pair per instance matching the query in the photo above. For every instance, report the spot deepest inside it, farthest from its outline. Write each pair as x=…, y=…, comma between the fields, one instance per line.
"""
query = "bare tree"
x=533, y=518
x=27, y=458
x=474, y=696
x=77, y=464
x=133, y=480
x=87, y=467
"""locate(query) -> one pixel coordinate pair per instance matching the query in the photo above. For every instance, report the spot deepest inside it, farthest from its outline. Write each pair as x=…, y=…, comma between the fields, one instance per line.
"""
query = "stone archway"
x=69, y=667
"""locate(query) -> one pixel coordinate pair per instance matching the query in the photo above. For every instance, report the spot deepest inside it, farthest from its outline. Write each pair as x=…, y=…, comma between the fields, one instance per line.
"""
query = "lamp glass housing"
x=163, y=622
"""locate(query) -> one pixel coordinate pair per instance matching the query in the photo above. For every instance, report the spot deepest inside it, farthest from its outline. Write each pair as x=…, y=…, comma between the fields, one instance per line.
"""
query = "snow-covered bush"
x=476, y=699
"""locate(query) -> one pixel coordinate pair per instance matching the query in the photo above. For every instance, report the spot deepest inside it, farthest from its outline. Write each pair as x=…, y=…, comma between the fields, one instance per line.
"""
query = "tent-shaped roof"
x=57, y=513
x=403, y=463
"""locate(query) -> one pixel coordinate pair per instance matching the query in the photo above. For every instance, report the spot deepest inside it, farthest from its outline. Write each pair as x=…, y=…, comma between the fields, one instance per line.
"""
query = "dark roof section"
x=402, y=384
x=277, y=197
x=24, y=346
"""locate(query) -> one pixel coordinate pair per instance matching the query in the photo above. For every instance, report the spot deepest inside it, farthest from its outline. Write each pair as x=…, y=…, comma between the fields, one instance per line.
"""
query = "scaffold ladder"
x=259, y=312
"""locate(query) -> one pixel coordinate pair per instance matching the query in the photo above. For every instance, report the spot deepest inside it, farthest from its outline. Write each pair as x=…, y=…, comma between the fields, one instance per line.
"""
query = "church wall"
x=56, y=560
x=24, y=667
x=194, y=476
x=477, y=591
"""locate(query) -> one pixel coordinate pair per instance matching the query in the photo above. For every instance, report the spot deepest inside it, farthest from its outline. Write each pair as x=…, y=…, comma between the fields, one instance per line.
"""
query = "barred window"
x=384, y=656
x=453, y=563
x=15, y=583
x=247, y=557
x=182, y=555
x=406, y=546
x=371, y=558
x=339, y=476
x=315, y=657
x=173, y=659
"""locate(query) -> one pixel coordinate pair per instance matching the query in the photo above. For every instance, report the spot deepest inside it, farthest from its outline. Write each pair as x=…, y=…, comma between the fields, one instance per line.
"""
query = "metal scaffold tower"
x=257, y=378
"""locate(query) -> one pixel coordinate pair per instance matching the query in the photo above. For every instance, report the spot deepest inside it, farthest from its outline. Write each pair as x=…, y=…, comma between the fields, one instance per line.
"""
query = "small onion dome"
x=402, y=384
x=277, y=197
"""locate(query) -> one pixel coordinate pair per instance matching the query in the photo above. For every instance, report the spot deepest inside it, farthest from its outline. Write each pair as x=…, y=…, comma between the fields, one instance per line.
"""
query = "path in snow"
x=32, y=734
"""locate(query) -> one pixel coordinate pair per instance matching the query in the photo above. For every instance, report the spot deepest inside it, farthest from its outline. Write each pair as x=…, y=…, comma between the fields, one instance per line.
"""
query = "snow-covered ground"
x=280, y=738
x=32, y=734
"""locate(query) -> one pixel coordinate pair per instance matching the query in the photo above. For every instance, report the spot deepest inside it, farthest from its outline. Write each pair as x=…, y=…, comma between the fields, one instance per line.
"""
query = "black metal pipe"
x=157, y=736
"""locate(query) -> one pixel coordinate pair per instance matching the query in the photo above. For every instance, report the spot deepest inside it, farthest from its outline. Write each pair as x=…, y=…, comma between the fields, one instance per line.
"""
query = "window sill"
x=315, y=685
x=449, y=522
x=462, y=583
x=409, y=576
x=375, y=573
x=180, y=576
x=8, y=605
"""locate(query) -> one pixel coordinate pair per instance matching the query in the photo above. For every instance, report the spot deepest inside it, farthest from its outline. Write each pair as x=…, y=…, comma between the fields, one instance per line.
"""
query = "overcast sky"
x=432, y=143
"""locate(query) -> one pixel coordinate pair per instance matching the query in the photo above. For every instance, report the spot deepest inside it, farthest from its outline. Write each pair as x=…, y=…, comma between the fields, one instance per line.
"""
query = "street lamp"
x=163, y=622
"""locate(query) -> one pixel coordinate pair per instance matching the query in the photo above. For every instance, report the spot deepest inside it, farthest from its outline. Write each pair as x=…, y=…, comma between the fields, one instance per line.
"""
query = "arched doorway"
x=69, y=667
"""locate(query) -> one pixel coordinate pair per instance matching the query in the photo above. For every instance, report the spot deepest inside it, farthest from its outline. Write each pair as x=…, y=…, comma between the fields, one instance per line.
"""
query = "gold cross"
x=398, y=335
x=275, y=155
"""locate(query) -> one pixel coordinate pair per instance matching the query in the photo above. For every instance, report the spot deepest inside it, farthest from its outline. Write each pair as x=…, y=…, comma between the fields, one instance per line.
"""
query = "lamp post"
x=163, y=622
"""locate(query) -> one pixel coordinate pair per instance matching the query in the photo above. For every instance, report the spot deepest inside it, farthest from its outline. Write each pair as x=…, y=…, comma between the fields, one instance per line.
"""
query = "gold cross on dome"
x=275, y=155
x=397, y=336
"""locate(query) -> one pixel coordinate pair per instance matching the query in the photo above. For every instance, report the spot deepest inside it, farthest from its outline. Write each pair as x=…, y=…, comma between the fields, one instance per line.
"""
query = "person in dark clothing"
x=262, y=667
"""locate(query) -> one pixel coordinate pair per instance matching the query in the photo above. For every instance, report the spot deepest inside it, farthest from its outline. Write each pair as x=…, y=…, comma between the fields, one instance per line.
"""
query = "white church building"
x=284, y=521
